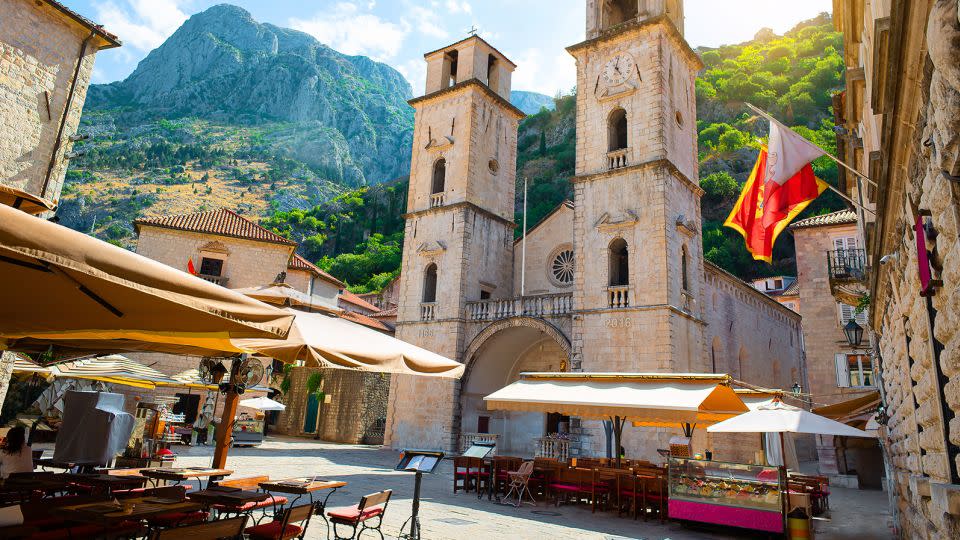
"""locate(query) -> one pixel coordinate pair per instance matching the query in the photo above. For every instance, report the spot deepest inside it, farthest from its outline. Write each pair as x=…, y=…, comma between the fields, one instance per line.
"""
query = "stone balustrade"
x=469, y=439
x=618, y=296
x=436, y=200
x=427, y=311
x=549, y=447
x=217, y=280
x=541, y=305
x=617, y=159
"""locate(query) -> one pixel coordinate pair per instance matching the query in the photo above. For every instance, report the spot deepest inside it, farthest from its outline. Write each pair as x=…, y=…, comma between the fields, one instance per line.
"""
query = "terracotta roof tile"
x=385, y=313
x=111, y=39
x=792, y=290
x=351, y=298
x=221, y=222
x=843, y=217
x=370, y=322
x=299, y=263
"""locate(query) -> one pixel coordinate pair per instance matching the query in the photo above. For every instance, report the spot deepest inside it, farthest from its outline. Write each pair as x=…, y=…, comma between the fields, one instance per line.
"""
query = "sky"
x=532, y=33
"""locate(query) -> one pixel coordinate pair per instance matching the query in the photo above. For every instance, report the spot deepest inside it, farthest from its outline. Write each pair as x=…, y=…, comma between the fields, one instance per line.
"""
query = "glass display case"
x=734, y=494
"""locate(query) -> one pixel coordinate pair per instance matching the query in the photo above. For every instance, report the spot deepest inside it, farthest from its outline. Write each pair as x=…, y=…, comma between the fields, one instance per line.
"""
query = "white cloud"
x=415, y=71
x=425, y=21
x=141, y=24
x=350, y=31
x=459, y=7
x=544, y=73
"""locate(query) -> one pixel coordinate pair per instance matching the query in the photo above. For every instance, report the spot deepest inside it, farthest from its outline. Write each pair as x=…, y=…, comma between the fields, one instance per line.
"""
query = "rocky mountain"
x=353, y=122
x=531, y=102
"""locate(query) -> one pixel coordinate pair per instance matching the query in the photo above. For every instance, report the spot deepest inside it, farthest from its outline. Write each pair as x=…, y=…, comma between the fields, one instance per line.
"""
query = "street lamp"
x=797, y=389
x=854, y=333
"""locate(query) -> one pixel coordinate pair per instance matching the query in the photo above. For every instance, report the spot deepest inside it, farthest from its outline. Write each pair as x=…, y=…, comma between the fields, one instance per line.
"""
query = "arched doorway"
x=495, y=358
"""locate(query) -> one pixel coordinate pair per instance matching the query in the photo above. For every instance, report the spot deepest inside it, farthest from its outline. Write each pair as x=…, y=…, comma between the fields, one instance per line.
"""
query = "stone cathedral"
x=614, y=280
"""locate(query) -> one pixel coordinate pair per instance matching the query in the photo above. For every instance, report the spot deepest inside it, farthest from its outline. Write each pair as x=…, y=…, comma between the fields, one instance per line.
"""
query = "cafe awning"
x=63, y=288
x=851, y=408
x=646, y=399
x=281, y=294
x=23, y=201
x=327, y=341
x=115, y=369
x=22, y=364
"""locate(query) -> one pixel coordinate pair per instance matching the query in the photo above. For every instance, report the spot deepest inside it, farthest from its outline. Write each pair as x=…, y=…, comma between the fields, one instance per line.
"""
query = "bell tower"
x=458, y=243
x=639, y=257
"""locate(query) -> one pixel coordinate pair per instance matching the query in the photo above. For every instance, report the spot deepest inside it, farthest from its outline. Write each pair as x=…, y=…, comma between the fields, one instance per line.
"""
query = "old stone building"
x=46, y=58
x=836, y=372
x=614, y=280
x=233, y=251
x=899, y=124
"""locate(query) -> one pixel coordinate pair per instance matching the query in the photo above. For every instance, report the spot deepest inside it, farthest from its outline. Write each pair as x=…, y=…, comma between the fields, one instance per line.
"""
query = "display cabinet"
x=733, y=494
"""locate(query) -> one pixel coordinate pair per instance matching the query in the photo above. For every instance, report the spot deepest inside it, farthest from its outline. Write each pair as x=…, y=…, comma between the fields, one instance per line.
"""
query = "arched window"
x=430, y=284
x=493, y=73
x=685, y=281
x=619, y=263
x=617, y=130
x=439, y=176
x=618, y=11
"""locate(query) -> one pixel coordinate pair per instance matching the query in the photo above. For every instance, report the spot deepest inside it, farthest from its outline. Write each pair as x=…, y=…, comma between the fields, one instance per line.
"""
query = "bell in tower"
x=603, y=15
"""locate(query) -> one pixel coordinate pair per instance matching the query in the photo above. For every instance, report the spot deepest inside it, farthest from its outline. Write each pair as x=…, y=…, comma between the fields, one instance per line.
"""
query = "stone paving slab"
x=856, y=514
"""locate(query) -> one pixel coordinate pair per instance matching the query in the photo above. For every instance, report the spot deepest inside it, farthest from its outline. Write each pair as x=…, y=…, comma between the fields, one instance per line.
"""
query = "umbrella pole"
x=225, y=427
x=617, y=434
x=785, y=505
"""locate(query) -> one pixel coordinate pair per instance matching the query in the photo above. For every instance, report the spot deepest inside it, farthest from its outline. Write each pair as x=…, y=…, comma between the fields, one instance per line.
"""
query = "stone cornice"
x=470, y=83
x=620, y=29
x=458, y=205
x=749, y=290
x=646, y=307
x=652, y=164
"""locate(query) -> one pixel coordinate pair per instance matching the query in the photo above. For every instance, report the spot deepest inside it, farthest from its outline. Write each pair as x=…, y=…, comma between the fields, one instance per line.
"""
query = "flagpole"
x=768, y=116
x=523, y=249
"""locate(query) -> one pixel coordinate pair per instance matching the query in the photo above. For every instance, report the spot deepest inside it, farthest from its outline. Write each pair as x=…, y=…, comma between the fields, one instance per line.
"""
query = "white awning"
x=646, y=399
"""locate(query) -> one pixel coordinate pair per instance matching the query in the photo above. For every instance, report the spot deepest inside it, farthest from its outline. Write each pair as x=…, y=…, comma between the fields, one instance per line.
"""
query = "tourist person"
x=15, y=454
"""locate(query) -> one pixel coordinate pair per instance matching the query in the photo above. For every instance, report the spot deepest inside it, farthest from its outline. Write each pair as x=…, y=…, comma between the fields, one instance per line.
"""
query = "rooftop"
x=221, y=222
x=365, y=320
x=299, y=263
x=843, y=217
x=792, y=290
x=111, y=39
x=351, y=298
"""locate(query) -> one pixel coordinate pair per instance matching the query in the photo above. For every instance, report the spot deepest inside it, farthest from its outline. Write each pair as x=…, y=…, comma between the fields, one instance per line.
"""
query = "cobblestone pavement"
x=856, y=514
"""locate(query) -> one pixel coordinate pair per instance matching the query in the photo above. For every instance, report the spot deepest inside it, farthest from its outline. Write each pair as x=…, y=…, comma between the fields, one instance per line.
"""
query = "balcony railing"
x=543, y=305
x=847, y=272
x=618, y=296
x=617, y=159
x=219, y=280
x=469, y=439
x=436, y=200
x=549, y=447
x=428, y=311
x=686, y=302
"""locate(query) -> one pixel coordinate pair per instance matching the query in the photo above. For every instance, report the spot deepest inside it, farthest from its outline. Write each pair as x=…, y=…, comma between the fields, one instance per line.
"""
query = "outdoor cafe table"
x=106, y=482
x=306, y=485
x=109, y=514
x=181, y=475
x=232, y=500
x=25, y=484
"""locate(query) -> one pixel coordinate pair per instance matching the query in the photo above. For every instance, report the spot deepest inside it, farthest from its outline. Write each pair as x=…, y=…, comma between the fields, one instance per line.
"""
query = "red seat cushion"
x=252, y=505
x=274, y=530
x=564, y=487
x=174, y=519
x=352, y=514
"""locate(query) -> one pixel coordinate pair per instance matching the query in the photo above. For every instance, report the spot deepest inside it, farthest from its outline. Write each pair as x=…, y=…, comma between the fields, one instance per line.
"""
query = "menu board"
x=419, y=461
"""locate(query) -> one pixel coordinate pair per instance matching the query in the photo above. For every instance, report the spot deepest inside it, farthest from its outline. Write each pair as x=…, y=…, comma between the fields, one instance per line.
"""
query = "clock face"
x=618, y=69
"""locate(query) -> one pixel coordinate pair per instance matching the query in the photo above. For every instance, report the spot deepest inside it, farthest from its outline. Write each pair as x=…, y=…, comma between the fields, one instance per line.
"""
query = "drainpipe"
x=66, y=110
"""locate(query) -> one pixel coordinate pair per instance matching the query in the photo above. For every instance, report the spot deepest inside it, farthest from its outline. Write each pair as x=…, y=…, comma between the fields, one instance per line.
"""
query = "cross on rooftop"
x=473, y=30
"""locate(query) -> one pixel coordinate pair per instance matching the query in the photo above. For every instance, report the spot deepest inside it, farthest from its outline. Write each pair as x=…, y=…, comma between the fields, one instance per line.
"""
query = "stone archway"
x=494, y=359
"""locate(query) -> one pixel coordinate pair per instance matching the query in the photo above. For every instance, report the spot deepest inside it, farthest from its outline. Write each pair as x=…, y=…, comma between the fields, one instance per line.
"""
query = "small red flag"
x=190, y=267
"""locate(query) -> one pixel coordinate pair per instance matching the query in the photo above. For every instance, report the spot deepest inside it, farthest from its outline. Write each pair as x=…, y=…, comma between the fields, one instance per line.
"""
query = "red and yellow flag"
x=780, y=186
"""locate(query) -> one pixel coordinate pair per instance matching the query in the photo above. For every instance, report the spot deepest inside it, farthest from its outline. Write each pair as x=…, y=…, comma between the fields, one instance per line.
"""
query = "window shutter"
x=846, y=313
x=843, y=376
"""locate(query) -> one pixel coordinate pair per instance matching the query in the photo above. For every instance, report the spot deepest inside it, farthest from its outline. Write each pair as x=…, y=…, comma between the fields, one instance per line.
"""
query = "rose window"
x=562, y=267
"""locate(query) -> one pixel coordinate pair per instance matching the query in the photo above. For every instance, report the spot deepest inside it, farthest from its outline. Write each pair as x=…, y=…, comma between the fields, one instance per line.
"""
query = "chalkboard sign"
x=479, y=450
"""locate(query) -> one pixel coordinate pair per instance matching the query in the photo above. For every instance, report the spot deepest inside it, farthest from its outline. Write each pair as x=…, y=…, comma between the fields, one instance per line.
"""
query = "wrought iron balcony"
x=847, y=271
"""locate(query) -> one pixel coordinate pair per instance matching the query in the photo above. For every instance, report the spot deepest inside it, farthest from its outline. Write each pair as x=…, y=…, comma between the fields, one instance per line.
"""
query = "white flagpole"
x=523, y=248
x=831, y=188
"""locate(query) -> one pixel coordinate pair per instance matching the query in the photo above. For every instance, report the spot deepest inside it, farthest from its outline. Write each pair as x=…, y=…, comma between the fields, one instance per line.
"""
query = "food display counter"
x=732, y=494
x=247, y=431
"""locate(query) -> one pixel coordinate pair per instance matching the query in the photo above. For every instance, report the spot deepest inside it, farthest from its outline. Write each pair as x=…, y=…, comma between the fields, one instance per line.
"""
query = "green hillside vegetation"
x=791, y=76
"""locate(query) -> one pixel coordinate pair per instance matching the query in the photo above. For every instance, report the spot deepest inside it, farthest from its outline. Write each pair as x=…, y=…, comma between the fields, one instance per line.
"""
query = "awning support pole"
x=617, y=435
x=225, y=427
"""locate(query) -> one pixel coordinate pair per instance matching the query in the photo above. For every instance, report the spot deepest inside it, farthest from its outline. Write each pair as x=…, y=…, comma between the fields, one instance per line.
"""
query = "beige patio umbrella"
x=114, y=369
x=281, y=294
x=649, y=399
x=62, y=287
x=23, y=201
x=324, y=340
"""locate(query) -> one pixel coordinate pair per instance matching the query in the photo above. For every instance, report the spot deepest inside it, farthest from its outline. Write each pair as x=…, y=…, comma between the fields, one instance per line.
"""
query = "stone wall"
x=544, y=243
x=39, y=50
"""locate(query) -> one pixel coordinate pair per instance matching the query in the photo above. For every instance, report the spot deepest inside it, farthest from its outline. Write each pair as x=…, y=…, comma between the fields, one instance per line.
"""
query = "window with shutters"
x=842, y=243
x=847, y=312
x=854, y=370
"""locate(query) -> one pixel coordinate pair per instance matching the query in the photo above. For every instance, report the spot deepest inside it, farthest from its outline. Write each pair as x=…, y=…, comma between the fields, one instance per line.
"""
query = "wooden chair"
x=284, y=528
x=370, y=507
x=520, y=483
x=629, y=490
x=502, y=466
x=654, y=496
x=462, y=475
x=545, y=470
x=479, y=473
x=220, y=529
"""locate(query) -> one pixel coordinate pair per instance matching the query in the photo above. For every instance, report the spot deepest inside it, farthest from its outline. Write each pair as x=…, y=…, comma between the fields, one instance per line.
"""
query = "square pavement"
x=443, y=515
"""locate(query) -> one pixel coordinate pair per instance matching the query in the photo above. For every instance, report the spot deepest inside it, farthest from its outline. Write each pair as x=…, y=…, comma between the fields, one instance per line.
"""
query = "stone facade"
x=901, y=114
x=42, y=90
x=659, y=314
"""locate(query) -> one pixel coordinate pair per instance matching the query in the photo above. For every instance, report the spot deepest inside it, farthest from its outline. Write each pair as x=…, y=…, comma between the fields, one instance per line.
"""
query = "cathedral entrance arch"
x=494, y=359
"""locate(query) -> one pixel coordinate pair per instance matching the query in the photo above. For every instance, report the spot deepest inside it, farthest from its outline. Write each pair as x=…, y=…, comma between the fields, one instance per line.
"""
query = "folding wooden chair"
x=220, y=529
x=370, y=507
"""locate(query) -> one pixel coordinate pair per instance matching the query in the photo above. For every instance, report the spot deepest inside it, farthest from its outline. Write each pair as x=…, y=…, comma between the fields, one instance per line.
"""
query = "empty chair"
x=371, y=507
x=520, y=483
x=292, y=524
x=220, y=529
x=251, y=483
